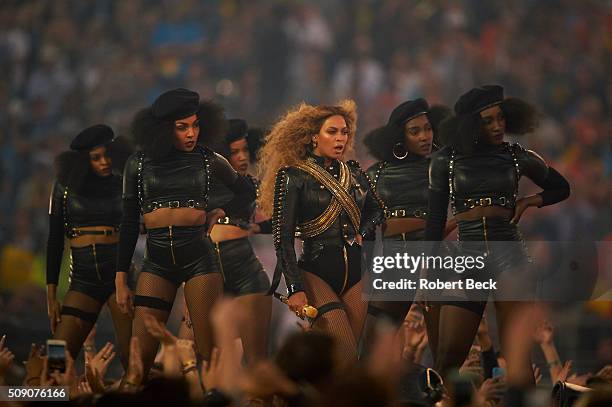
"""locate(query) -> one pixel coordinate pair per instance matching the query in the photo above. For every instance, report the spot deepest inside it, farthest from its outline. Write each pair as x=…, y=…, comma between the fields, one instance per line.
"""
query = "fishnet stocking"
x=457, y=329
x=72, y=329
x=254, y=331
x=335, y=322
x=150, y=285
x=201, y=293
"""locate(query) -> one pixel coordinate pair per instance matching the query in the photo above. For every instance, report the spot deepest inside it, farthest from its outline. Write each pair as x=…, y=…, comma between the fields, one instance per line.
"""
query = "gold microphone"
x=307, y=311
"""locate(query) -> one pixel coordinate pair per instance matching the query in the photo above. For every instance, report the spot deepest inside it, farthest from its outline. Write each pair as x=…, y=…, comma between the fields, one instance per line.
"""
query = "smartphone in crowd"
x=56, y=355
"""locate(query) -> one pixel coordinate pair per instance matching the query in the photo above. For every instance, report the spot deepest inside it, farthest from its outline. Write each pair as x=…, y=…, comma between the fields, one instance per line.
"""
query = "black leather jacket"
x=97, y=203
x=489, y=176
x=180, y=179
x=402, y=185
x=299, y=197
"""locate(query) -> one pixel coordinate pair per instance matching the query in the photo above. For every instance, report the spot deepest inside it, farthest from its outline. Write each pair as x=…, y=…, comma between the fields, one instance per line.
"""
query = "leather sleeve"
x=438, y=195
x=55, y=241
x=242, y=187
x=130, y=222
x=287, y=190
x=372, y=214
x=555, y=186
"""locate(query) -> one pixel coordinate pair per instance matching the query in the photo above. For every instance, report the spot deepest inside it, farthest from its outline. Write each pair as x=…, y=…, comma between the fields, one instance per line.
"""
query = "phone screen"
x=56, y=354
x=498, y=372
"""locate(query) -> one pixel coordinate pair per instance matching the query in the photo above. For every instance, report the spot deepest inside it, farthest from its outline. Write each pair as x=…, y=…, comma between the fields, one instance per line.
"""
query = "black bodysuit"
x=97, y=203
x=332, y=255
x=180, y=179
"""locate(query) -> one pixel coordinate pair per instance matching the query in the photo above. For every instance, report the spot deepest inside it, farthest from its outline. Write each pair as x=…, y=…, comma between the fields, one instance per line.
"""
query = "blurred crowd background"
x=67, y=64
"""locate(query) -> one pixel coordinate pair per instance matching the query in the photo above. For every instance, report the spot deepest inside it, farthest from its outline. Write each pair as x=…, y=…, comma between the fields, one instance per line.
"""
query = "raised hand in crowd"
x=6, y=359
x=492, y=391
x=34, y=366
x=415, y=335
x=135, y=373
x=56, y=378
x=187, y=358
x=158, y=330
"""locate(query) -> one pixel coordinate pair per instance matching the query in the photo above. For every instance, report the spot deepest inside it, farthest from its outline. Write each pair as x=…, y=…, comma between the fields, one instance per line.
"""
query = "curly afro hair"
x=155, y=137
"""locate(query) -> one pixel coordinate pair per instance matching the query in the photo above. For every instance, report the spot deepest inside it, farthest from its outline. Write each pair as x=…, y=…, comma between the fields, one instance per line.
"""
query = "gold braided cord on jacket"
x=341, y=200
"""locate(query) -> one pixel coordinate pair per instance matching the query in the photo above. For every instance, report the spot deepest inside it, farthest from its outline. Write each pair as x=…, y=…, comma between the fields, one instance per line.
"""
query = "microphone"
x=307, y=311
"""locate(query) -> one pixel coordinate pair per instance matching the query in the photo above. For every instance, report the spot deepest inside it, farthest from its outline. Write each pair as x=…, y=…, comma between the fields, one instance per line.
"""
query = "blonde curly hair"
x=286, y=144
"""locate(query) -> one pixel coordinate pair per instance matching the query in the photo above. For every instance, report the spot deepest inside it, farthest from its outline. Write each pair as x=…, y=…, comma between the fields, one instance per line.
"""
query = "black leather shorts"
x=92, y=270
x=242, y=271
x=179, y=253
x=507, y=260
x=335, y=262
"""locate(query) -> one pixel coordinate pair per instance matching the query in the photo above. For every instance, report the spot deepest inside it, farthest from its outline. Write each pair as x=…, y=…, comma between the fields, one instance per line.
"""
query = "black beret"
x=176, y=104
x=91, y=137
x=408, y=111
x=237, y=129
x=479, y=99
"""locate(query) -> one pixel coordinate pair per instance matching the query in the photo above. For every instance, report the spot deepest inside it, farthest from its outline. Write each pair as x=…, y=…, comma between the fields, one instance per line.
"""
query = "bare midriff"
x=164, y=217
x=111, y=236
x=397, y=226
x=480, y=212
x=221, y=233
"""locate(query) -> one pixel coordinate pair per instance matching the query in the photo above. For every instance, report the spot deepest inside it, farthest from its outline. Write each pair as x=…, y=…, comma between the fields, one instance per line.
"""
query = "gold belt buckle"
x=486, y=202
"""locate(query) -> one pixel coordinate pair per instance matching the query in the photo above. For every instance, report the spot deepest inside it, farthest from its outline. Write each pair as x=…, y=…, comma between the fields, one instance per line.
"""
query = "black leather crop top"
x=402, y=185
x=180, y=179
x=489, y=176
x=299, y=197
x=98, y=203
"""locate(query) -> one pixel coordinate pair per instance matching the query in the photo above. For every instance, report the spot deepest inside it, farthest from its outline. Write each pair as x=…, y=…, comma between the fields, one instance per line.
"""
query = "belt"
x=404, y=213
x=78, y=232
x=179, y=203
x=241, y=223
x=464, y=204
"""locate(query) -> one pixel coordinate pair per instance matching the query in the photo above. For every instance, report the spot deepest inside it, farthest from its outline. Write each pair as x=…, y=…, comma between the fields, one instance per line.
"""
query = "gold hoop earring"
x=314, y=143
x=400, y=156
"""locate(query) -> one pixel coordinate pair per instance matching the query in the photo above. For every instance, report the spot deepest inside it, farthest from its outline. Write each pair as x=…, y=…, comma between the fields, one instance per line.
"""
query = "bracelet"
x=89, y=348
x=188, y=366
x=189, y=369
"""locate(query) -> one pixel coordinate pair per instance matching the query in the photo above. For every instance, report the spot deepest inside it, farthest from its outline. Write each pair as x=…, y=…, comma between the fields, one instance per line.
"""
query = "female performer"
x=480, y=174
x=168, y=183
x=401, y=180
x=244, y=276
x=85, y=208
x=311, y=190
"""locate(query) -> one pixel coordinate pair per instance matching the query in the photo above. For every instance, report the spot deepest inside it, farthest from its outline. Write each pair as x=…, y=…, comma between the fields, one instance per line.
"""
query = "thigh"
x=201, y=294
x=123, y=328
x=79, y=314
x=356, y=308
x=153, y=295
